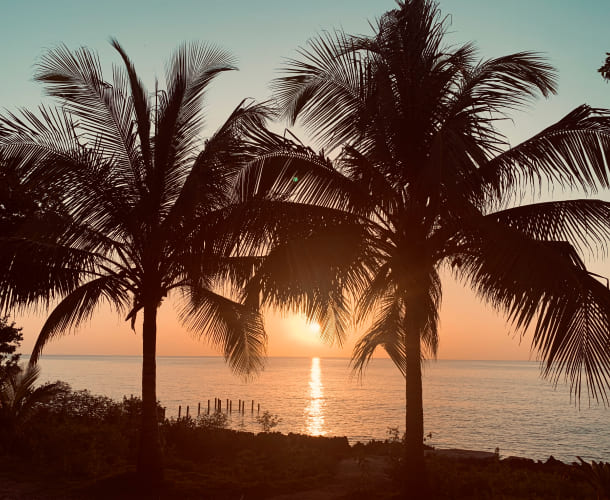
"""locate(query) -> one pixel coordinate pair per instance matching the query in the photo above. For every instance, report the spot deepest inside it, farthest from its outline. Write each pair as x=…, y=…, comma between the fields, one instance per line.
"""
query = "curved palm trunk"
x=150, y=467
x=416, y=483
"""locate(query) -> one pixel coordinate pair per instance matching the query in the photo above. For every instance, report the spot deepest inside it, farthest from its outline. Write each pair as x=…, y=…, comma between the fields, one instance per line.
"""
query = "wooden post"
x=179, y=411
x=231, y=406
x=219, y=405
x=227, y=407
x=187, y=411
x=199, y=408
x=164, y=408
x=259, y=407
x=208, y=406
x=252, y=406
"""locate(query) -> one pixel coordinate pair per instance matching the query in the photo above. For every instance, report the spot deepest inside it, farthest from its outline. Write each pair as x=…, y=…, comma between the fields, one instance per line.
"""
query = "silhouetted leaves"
x=431, y=181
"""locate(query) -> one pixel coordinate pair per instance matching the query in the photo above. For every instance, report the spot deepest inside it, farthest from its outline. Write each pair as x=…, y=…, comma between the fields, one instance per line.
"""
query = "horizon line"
x=271, y=356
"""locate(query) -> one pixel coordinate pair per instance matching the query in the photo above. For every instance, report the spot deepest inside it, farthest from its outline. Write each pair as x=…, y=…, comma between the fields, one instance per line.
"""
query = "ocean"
x=478, y=405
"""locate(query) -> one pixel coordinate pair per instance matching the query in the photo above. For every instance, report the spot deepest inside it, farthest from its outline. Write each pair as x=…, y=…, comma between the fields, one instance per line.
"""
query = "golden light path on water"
x=314, y=412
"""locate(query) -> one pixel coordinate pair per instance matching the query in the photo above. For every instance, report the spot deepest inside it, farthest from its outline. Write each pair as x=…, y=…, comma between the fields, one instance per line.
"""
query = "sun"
x=314, y=327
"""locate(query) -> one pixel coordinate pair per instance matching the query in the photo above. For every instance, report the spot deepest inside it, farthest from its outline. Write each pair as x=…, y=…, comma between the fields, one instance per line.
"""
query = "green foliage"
x=267, y=421
x=482, y=480
x=598, y=476
x=10, y=339
x=88, y=450
x=21, y=200
x=605, y=69
x=241, y=461
x=20, y=397
x=395, y=452
x=78, y=434
x=214, y=420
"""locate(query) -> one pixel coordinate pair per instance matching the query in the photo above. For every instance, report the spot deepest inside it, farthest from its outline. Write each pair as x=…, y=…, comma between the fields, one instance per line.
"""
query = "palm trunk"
x=416, y=483
x=150, y=467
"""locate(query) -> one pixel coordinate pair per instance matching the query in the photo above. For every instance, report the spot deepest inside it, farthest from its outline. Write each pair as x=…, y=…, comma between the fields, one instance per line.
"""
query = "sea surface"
x=478, y=405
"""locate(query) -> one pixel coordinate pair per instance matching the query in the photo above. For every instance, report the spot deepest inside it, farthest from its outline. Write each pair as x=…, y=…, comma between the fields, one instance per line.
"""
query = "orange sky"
x=469, y=330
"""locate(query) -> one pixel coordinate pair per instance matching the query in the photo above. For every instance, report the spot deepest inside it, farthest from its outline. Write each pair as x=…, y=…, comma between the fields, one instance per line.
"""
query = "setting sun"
x=314, y=327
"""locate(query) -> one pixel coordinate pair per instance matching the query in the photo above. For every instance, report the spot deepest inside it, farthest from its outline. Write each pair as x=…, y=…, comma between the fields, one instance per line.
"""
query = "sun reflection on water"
x=314, y=411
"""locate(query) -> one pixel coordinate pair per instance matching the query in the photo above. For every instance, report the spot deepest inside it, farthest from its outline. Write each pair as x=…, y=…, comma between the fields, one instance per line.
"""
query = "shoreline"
x=458, y=412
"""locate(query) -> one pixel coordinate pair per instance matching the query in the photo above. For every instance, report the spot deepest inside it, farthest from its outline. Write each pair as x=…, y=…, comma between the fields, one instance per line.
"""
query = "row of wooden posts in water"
x=218, y=407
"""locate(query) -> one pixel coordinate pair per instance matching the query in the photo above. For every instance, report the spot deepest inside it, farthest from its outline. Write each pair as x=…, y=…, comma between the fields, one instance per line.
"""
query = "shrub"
x=597, y=475
x=216, y=420
x=268, y=421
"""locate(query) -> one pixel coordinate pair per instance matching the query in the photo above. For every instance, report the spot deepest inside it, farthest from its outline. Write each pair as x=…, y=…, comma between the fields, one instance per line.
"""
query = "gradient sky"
x=573, y=35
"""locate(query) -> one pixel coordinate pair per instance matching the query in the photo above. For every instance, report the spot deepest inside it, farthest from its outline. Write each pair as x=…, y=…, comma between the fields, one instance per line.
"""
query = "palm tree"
x=424, y=183
x=142, y=201
x=19, y=396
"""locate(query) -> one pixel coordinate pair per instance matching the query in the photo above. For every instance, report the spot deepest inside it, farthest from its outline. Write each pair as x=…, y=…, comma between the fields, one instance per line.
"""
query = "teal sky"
x=573, y=35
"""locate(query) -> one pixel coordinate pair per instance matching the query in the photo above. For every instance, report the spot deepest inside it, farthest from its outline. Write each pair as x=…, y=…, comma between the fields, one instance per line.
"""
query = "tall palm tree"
x=141, y=204
x=422, y=183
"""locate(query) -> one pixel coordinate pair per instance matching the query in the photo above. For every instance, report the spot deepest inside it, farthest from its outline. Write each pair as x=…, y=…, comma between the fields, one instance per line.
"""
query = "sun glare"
x=314, y=412
x=314, y=327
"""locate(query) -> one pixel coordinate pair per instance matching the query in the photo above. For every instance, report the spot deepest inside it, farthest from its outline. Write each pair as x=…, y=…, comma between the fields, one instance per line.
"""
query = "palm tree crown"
x=425, y=182
x=142, y=204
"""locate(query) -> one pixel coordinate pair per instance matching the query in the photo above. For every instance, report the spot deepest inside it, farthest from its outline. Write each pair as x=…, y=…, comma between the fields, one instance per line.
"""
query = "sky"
x=574, y=36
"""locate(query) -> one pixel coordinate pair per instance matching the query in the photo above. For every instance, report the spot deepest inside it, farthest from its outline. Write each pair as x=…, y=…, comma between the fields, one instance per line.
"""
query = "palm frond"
x=140, y=103
x=33, y=139
x=324, y=89
x=315, y=273
x=386, y=332
x=210, y=183
x=105, y=110
x=236, y=329
x=572, y=335
x=545, y=285
x=47, y=154
x=19, y=396
x=191, y=69
x=585, y=224
x=570, y=153
x=77, y=307
x=35, y=272
x=378, y=289
x=507, y=83
x=295, y=177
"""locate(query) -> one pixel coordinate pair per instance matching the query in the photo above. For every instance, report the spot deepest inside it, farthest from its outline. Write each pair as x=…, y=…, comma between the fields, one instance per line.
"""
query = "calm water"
x=468, y=404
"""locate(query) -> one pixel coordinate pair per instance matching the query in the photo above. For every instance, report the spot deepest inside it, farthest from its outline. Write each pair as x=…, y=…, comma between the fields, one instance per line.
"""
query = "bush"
x=268, y=421
x=10, y=339
x=216, y=420
x=77, y=433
